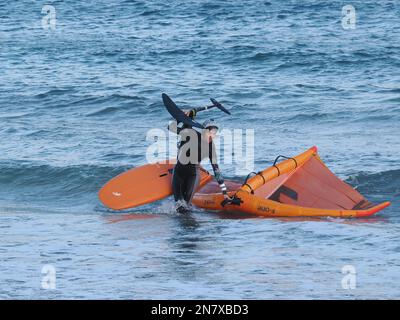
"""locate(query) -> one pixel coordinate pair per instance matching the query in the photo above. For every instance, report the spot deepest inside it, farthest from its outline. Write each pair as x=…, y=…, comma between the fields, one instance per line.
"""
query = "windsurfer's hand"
x=189, y=113
x=226, y=197
x=227, y=200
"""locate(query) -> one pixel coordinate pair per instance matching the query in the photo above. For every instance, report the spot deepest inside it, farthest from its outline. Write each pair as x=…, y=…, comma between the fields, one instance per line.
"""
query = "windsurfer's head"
x=210, y=128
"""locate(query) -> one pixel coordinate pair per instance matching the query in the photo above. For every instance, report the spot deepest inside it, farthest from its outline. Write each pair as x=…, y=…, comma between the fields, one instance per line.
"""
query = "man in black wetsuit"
x=192, y=149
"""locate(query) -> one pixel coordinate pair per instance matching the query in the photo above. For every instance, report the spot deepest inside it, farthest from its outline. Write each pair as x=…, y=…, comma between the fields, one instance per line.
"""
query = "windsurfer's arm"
x=220, y=179
x=217, y=172
x=173, y=125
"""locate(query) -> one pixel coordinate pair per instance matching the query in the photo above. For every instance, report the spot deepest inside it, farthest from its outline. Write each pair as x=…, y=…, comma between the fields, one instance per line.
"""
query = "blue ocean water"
x=77, y=102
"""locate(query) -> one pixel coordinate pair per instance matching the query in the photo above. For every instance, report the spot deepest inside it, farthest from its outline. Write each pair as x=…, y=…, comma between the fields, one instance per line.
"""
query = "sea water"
x=80, y=88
